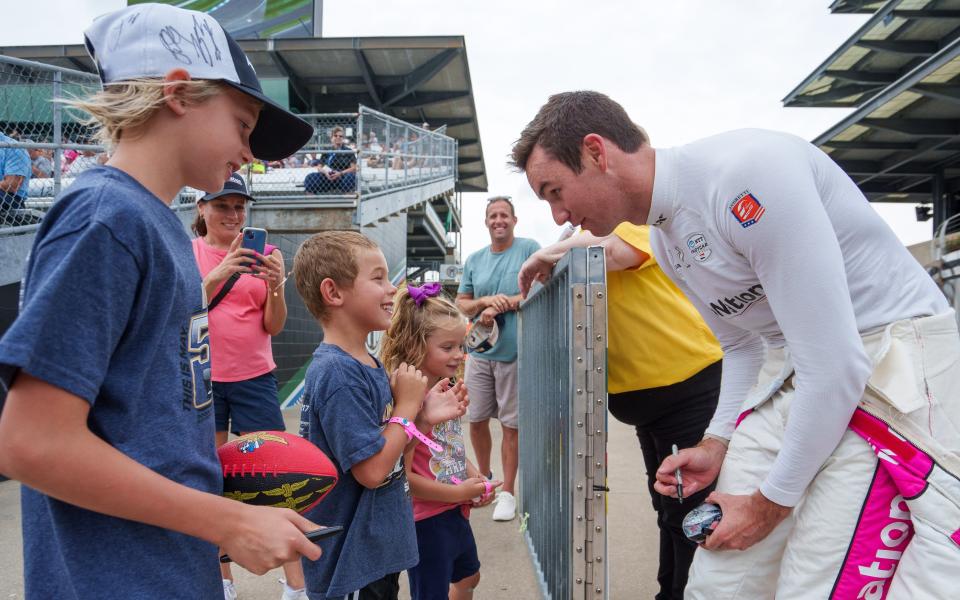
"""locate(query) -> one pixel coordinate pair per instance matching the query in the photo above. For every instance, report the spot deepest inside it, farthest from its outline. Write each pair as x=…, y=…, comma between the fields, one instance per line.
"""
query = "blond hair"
x=406, y=339
x=129, y=104
x=327, y=255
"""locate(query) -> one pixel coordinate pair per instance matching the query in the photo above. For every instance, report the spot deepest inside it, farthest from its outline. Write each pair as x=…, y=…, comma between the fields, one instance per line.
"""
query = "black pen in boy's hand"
x=679, y=478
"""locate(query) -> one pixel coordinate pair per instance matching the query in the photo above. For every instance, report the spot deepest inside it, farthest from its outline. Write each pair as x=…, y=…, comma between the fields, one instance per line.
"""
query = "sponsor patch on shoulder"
x=746, y=209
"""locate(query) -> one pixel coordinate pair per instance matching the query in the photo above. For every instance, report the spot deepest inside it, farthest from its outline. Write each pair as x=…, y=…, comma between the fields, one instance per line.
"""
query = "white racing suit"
x=881, y=519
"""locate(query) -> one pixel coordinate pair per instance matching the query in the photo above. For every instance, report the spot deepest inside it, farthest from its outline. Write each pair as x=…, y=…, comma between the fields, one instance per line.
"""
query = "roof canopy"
x=902, y=143
x=417, y=79
x=895, y=40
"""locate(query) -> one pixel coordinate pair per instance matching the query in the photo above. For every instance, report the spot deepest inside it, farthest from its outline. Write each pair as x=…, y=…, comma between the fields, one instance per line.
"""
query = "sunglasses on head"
x=493, y=199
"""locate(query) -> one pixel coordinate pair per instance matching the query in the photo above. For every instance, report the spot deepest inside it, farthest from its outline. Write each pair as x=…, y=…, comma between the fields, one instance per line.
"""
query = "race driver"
x=836, y=427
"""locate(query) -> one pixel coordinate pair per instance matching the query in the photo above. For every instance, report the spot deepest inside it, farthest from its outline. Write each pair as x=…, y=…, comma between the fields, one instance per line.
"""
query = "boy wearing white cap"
x=108, y=418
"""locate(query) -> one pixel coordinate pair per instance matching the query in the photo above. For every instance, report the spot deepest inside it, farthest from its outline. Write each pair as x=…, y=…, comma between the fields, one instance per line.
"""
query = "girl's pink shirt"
x=441, y=466
x=239, y=345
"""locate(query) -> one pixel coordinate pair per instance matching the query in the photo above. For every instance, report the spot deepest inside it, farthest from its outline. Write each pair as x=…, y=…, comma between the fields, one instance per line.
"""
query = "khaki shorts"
x=492, y=387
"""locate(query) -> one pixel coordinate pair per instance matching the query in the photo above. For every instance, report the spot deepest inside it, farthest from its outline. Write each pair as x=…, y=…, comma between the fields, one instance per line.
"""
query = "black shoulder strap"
x=223, y=291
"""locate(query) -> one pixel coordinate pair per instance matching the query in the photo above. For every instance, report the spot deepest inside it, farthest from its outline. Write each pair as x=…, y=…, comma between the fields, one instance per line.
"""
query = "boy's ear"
x=330, y=293
x=172, y=94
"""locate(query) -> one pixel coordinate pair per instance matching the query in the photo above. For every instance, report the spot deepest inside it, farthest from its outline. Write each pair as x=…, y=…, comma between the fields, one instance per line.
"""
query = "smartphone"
x=323, y=533
x=314, y=536
x=254, y=238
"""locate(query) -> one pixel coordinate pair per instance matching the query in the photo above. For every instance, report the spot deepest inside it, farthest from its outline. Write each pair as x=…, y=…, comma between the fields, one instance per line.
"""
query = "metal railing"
x=386, y=154
x=373, y=154
x=563, y=427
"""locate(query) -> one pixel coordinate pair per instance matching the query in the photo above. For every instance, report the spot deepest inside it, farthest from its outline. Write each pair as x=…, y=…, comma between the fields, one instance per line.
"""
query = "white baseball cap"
x=484, y=337
x=149, y=40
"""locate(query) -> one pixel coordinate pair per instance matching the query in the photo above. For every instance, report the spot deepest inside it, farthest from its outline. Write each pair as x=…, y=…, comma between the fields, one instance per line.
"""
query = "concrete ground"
x=507, y=573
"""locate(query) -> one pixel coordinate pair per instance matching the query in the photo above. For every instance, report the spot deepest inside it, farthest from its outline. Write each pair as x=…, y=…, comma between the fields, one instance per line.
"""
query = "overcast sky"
x=683, y=69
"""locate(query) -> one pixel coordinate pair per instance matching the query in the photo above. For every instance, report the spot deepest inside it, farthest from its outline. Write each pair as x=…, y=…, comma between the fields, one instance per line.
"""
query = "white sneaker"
x=506, y=508
x=290, y=593
x=229, y=591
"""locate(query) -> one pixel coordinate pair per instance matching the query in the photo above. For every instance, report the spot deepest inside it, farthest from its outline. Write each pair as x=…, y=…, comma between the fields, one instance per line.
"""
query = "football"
x=275, y=468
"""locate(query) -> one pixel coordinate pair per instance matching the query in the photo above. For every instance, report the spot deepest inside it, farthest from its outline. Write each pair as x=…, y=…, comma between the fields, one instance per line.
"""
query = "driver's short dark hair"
x=566, y=118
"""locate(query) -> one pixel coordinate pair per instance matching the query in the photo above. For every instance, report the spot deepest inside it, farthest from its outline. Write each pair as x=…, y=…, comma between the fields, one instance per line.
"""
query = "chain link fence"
x=351, y=155
x=43, y=146
x=354, y=155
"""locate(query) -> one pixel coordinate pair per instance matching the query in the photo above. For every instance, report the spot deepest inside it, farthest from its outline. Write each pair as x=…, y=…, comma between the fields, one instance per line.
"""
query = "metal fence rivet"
x=599, y=432
x=599, y=294
x=579, y=549
x=600, y=401
x=599, y=369
x=579, y=580
x=599, y=559
x=599, y=591
x=579, y=517
x=579, y=423
x=579, y=359
x=599, y=465
x=598, y=529
x=579, y=486
x=579, y=295
x=579, y=390
x=579, y=454
x=579, y=326
x=599, y=337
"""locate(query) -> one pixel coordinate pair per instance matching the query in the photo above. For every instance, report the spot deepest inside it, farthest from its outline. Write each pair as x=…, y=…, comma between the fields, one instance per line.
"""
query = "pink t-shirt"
x=442, y=466
x=239, y=345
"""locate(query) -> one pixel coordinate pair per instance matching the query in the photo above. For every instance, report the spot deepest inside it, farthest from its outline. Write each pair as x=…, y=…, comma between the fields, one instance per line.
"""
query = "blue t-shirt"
x=487, y=273
x=15, y=161
x=113, y=312
x=346, y=405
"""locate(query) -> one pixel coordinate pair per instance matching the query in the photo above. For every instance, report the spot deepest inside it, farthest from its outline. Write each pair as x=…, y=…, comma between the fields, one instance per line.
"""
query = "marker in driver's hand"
x=679, y=477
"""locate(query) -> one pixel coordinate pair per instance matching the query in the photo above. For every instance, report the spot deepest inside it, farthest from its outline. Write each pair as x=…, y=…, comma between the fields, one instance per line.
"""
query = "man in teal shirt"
x=489, y=288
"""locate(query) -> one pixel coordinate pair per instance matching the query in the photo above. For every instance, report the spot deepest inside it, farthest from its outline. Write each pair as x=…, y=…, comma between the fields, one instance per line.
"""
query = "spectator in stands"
x=489, y=292
x=87, y=159
x=69, y=155
x=41, y=164
x=15, y=183
x=398, y=148
x=247, y=306
x=336, y=170
x=372, y=150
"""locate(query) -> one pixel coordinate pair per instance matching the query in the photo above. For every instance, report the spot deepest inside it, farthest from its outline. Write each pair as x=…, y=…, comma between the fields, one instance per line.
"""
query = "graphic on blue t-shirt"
x=195, y=347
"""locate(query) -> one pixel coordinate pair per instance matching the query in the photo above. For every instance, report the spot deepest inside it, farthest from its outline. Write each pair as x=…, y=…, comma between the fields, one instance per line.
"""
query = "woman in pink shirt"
x=241, y=325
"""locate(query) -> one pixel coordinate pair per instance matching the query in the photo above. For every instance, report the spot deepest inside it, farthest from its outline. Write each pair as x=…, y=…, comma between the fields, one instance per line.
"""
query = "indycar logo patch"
x=699, y=247
x=746, y=209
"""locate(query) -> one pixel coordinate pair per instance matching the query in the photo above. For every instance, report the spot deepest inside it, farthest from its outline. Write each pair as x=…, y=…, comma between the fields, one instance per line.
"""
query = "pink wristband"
x=412, y=432
x=487, y=487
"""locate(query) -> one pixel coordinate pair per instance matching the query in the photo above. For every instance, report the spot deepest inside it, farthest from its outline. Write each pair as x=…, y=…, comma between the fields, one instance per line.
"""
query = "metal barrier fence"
x=563, y=427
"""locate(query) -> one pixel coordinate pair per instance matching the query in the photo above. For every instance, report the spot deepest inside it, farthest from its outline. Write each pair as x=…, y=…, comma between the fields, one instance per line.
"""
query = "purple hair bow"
x=421, y=293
